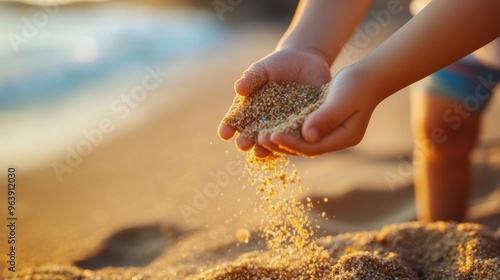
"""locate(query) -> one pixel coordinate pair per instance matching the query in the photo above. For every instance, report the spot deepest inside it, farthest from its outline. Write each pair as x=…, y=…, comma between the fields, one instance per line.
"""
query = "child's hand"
x=340, y=122
x=287, y=65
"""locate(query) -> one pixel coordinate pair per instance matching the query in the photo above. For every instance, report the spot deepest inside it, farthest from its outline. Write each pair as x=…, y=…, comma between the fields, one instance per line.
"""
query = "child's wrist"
x=321, y=54
x=363, y=82
x=311, y=50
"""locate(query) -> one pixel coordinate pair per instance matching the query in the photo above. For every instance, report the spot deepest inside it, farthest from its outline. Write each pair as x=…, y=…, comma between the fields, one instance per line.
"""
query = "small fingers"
x=322, y=121
x=338, y=139
x=261, y=152
x=226, y=132
x=292, y=144
x=244, y=143
x=251, y=80
x=265, y=140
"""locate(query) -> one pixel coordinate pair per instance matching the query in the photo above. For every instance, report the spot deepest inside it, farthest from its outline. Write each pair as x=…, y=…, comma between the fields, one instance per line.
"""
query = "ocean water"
x=64, y=69
x=47, y=54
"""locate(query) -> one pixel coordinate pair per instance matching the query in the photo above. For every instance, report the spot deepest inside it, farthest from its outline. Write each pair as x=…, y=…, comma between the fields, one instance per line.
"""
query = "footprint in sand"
x=136, y=246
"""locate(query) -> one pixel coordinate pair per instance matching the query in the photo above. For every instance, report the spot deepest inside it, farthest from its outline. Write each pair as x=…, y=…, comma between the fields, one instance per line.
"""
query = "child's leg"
x=442, y=170
x=446, y=114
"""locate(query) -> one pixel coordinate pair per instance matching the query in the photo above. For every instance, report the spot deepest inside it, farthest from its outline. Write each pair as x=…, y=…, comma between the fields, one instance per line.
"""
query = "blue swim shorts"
x=467, y=81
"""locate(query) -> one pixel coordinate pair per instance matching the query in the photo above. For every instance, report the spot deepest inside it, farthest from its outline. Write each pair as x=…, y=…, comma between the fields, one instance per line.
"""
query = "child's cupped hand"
x=287, y=65
x=339, y=123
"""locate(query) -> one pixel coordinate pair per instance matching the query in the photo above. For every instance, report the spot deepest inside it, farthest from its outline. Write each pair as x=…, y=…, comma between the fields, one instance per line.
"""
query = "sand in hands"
x=276, y=107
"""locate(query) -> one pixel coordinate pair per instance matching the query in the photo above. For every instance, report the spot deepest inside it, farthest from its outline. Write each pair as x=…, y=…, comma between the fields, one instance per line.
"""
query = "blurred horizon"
x=62, y=72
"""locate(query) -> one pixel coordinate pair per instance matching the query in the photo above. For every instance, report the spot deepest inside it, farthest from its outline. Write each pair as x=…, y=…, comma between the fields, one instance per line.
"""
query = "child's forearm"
x=442, y=33
x=324, y=25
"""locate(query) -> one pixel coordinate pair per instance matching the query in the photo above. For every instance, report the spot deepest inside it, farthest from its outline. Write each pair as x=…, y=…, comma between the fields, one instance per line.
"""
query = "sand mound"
x=432, y=251
x=403, y=251
x=276, y=107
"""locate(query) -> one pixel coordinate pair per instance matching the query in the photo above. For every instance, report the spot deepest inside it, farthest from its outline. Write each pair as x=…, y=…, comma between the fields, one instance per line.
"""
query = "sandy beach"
x=137, y=205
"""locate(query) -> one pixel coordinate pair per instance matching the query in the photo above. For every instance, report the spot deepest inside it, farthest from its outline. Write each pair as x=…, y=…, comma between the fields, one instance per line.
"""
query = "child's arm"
x=442, y=33
x=318, y=27
x=306, y=51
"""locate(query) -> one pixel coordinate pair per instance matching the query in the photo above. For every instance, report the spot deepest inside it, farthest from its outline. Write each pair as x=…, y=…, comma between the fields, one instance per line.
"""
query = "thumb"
x=252, y=79
x=324, y=120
